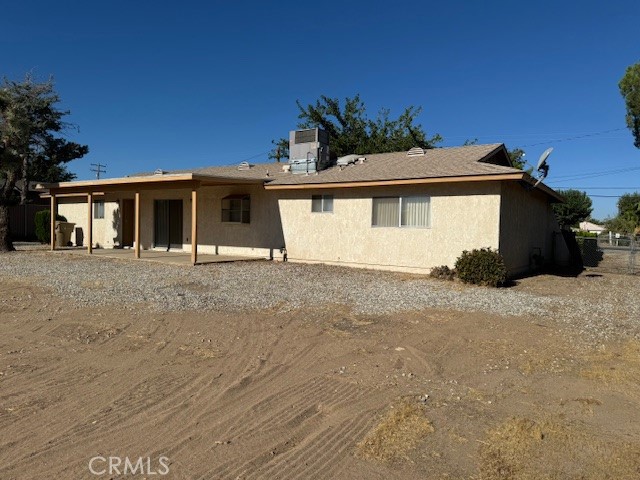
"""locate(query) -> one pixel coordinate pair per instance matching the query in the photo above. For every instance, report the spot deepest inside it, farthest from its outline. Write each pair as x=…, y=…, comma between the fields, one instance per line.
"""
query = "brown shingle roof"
x=437, y=162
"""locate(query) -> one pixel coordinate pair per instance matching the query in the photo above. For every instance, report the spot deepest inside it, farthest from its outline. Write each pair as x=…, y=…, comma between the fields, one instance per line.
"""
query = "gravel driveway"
x=92, y=281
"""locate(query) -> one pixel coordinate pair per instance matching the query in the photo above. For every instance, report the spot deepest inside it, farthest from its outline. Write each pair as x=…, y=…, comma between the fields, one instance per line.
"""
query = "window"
x=401, y=212
x=98, y=209
x=236, y=209
x=322, y=203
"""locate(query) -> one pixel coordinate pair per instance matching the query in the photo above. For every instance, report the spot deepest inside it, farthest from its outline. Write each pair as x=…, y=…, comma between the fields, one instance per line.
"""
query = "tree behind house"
x=628, y=219
x=351, y=131
x=630, y=90
x=576, y=208
x=31, y=143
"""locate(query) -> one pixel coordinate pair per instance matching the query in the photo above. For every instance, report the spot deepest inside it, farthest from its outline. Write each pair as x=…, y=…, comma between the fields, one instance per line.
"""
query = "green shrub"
x=583, y=233
x=43, y=225
x=482, y=266
x=443, y=273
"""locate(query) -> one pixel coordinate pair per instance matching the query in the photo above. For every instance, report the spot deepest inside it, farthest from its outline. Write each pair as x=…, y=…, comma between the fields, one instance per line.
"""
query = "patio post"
x=89, y=223
x=194, y=226
x=137, y=225
x=54, y=214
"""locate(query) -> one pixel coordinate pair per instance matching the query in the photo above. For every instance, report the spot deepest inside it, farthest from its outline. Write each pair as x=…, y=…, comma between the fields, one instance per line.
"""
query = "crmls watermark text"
x=125, y=466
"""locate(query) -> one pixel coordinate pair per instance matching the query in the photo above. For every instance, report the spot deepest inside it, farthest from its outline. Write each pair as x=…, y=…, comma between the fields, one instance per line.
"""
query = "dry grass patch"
x=399, y=432
x=552, y=449
x=617, y=365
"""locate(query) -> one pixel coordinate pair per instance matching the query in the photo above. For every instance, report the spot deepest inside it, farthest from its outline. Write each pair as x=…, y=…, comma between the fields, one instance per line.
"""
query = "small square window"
x=322, y=203
x=98, y=209
x=236, y=209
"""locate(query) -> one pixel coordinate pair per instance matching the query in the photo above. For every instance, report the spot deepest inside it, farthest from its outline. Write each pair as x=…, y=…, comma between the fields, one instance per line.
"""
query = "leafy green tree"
x=630, y=90
x=31, y=142
x=576, y=208
x=628, y=218
x=517, y=158
x=352, y=131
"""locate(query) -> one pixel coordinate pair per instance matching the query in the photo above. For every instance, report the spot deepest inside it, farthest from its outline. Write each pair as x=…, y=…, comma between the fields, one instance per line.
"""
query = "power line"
x=592, y=175
x=605, y=196
x=601, y=188
x=629, y=165
x=569, y=137
x=575, y=137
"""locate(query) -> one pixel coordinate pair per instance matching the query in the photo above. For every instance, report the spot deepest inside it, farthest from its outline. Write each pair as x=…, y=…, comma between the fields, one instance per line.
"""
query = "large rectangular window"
x=410, y=211
x=98, y=209
x=236, y=209
x=322, y=203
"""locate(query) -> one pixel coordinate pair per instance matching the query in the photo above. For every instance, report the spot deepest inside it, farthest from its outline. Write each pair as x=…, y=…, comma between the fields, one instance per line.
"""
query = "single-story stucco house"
x=400, y=211
x=591, y=227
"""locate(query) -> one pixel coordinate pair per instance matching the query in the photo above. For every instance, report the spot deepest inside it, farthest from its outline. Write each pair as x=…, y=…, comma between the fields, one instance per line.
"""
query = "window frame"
x=322, y=199
x=98, y=210
x=400, y=199
x=245, y=200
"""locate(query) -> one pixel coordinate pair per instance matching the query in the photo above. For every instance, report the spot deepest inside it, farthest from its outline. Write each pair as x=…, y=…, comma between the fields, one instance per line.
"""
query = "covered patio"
x=188, y=185
x=170, y=257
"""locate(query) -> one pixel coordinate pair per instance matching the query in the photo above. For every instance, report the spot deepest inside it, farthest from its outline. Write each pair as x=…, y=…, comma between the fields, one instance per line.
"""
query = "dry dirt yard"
x=266, y=370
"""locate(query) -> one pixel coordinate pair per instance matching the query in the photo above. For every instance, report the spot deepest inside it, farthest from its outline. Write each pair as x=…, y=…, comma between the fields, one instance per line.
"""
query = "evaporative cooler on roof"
x=308, y=150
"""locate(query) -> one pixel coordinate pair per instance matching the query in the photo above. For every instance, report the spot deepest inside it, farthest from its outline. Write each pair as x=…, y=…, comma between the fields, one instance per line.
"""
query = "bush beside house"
x=43, y=225
x=482, y=266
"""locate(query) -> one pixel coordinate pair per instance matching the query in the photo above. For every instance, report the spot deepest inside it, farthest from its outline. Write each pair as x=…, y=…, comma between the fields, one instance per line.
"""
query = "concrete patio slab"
x=170, y=257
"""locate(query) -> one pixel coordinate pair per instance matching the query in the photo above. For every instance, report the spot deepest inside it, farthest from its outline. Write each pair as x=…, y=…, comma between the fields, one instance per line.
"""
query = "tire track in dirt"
x=307, y=414
x=181, y=424
x=148, y=394
x=314, y=456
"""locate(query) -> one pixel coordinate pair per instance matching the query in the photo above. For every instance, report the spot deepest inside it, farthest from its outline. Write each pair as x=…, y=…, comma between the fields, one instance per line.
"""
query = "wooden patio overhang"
x=91, y=188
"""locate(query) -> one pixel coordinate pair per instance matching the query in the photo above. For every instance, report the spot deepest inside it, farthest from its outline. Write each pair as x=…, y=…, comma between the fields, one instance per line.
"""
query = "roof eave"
x=131, y=183
x=407, y=181
x=544, y=188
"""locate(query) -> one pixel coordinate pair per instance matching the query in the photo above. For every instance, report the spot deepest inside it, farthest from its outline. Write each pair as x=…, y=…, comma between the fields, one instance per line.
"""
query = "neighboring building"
x=402, y=211
x=591, y=228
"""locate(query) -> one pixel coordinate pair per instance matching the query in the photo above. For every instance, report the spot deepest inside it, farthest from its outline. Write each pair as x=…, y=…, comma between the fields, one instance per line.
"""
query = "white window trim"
x=322, y=197
x=400, y=198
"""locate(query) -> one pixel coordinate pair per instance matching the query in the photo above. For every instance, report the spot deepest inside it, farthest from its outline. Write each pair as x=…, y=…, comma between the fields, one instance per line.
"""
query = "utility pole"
x=98, y=169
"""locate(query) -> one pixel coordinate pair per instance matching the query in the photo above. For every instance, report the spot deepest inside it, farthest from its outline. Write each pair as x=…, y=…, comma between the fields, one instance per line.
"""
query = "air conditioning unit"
x=308, y=150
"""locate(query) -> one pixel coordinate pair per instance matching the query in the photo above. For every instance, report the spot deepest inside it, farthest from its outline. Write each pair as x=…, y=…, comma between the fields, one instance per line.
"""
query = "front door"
x=168, y=224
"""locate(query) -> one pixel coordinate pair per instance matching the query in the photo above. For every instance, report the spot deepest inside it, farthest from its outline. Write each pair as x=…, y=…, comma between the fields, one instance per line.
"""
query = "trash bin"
x=63, y=233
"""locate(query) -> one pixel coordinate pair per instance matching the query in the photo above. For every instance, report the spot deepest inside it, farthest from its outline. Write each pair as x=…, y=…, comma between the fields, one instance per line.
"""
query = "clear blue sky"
x=186, y=84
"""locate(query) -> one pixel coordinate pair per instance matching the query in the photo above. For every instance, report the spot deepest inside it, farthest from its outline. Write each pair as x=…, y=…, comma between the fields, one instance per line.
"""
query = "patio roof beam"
x=89, y=223
x=137, y=225
x=194, y=226
x=103, y=189
x=53, y=215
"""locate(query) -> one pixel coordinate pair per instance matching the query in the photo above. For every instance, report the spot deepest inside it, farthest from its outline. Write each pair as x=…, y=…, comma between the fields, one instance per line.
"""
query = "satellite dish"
x=543, y=166
x=543, y=158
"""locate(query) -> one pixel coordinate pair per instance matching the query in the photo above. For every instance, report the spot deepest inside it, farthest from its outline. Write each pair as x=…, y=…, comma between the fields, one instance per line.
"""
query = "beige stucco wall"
x=105, y=230
x=463, y=216
x=528, y=225
x=262, y=237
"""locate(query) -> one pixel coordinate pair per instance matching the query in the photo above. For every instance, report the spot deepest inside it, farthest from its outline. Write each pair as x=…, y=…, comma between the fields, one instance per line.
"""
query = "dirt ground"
x=322, y=393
